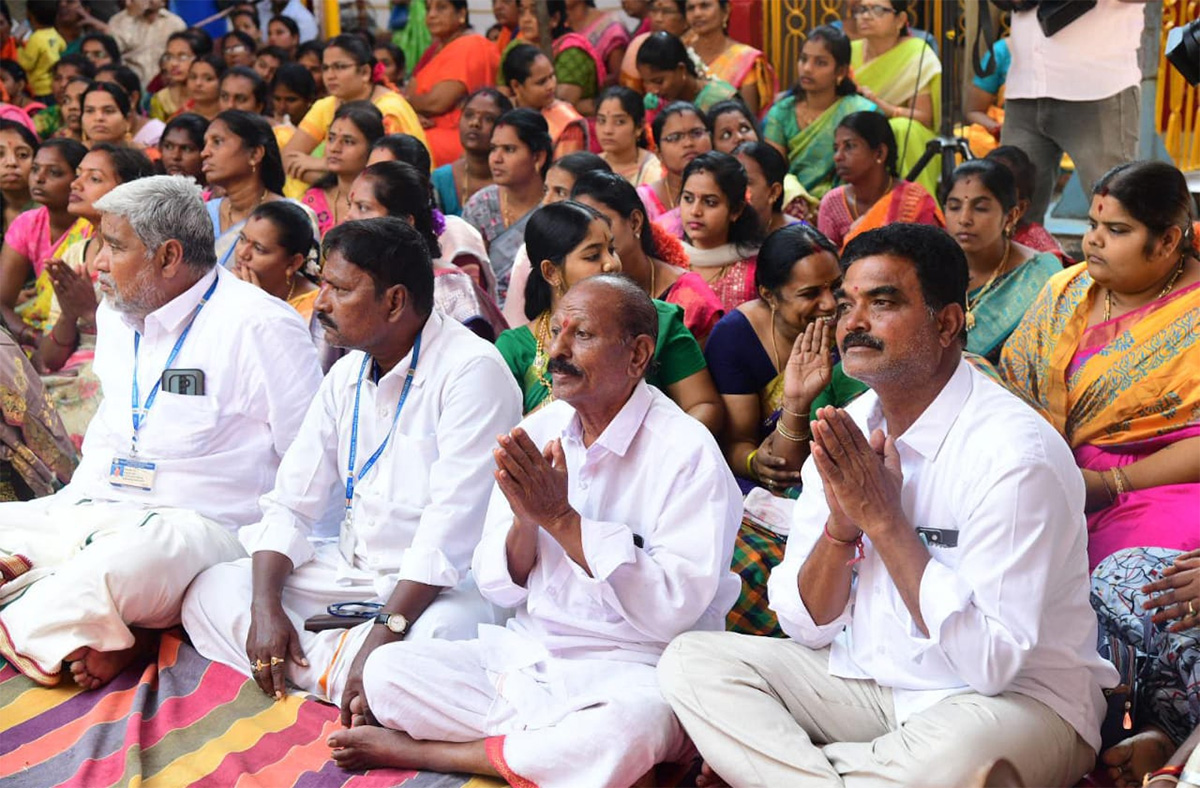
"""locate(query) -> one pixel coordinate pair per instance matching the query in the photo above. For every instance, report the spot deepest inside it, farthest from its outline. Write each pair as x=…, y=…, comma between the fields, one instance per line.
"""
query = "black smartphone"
x=189, y=382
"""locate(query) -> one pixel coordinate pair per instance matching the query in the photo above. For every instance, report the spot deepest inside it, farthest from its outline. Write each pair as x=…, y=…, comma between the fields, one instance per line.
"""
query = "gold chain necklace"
x=466, y=191
x=541, y=336
x=227, y=203
x=1167, y=289
x=505, y=216
x=974, y=302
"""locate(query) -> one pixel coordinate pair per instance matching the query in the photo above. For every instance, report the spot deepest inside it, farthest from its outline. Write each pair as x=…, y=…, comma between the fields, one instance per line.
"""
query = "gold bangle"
x=802, y=416
x=750, y=464
x=1107, y=489
x=1117, y=481
x=1126, y=486
x=794, y=437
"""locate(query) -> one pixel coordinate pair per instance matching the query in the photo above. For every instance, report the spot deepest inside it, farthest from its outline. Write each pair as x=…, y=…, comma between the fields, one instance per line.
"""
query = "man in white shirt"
x=611, y=539
x=205, y=380
x=1076, y=91
x=294, y=9
x=141, y=31
x=396, y=452
x=935, y=585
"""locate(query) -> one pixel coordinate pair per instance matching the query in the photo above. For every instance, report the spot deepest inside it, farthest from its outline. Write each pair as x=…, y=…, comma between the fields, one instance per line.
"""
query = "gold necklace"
x=541, y=336
x=466, y=192
x=1167, y=289
x=653, y=272
x=854, y=213
x=291, y=289
x=972, y=303
x=505, y=215
x=228, y=203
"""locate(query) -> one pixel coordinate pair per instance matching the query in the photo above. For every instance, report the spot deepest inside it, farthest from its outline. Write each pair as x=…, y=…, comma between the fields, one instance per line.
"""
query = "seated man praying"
x=935, y=585
x=610, y=530
x=395, y=451
x=205, y=382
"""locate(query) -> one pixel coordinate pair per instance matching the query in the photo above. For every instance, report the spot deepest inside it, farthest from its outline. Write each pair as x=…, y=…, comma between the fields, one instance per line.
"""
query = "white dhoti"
x=82, y=574
x=549, y=721
x=216, y=615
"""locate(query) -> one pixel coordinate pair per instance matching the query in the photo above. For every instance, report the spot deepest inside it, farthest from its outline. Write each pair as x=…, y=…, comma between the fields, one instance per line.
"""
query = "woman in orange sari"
x=1109, y=352
x=873, y=195
x=531, y=79
x=742, y=66
x=458, y=62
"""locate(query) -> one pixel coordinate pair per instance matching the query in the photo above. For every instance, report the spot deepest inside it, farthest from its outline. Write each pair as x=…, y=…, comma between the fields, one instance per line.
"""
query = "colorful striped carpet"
x=180, y=721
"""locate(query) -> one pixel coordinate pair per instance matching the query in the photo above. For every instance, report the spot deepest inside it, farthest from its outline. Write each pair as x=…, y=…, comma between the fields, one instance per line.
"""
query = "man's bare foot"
x=1143, y=752
x=92, y=669
x=371, y=747
x=359, y=713
x=708, y=778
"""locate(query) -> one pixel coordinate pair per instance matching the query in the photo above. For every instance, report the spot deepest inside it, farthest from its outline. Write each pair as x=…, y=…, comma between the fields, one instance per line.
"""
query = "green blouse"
x=676, y=356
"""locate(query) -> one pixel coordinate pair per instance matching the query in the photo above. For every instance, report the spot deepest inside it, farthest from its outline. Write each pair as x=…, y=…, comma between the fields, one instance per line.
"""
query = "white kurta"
x=569, y=683
x=417, y=514
x=102, y=556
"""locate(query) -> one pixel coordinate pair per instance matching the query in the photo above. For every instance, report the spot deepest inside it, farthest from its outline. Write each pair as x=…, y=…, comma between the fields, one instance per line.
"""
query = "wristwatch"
x=395, y=622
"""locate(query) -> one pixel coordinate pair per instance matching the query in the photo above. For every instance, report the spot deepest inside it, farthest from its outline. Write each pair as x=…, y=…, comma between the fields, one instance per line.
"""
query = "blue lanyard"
x=140, y=413
x=370, y=463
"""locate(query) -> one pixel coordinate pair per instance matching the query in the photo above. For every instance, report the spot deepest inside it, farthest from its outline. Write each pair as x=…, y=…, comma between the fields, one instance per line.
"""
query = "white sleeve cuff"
x=277, y=538
x=429, y=566
x=606, y=546
x=489, y=569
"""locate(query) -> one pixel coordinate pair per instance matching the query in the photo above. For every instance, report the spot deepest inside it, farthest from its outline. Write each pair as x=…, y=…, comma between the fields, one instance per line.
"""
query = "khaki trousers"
x=765, y=711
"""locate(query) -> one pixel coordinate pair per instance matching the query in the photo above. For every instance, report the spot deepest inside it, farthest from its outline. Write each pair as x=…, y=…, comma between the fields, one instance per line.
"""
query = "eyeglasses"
x=327, y=67
x=235, y=49
x=178, y=58
x=693, y=134
x=876, y=11
x=95, y=54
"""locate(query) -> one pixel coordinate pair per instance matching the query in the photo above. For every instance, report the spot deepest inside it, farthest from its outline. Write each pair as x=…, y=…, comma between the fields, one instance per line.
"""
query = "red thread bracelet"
x=856, y=543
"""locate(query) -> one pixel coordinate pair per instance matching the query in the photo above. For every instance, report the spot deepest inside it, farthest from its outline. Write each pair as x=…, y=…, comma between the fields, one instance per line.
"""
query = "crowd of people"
x=808, y=468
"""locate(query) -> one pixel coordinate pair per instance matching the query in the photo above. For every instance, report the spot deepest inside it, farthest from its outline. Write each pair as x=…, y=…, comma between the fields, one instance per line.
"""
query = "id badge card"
x=131, y=473
x=346, y=539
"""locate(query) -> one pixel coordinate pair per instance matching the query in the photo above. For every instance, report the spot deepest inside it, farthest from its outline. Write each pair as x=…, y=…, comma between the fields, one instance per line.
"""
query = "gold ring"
x=1191, y=610
x=277, y=661
x=259, y=666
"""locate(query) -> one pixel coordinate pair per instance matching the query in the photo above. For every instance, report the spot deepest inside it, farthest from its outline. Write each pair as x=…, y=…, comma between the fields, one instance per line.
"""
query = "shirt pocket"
x=180, y=426
x=412, y=463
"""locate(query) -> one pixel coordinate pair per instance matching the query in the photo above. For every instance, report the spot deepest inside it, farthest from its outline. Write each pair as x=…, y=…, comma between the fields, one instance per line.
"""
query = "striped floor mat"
x=180, y=721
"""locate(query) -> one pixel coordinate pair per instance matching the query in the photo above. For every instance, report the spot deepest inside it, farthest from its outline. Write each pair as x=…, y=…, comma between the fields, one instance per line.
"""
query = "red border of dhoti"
x=494, y=747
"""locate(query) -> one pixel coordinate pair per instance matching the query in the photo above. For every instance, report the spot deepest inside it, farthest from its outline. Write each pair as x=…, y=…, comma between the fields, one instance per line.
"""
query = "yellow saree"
x=1140, y=383
x=898, y=76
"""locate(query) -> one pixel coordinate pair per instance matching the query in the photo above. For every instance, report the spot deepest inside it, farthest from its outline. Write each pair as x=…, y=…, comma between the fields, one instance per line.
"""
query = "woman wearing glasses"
x=682, y=135
x=181, y=51
x=348, y=66
x=903, y=76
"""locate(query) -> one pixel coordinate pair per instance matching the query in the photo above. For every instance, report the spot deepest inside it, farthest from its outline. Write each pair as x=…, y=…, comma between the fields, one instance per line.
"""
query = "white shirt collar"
x=171, y=315
x=430, y=332
x=929, y=431
x=620, y=431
